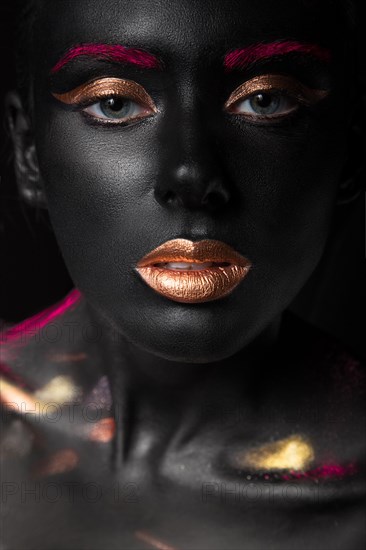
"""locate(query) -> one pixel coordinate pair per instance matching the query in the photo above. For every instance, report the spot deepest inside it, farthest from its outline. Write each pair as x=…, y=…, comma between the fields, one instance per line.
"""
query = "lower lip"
x=193, y=286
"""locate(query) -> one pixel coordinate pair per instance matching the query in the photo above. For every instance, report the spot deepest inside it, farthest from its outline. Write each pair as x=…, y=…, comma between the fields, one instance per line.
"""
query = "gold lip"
x=193, y=286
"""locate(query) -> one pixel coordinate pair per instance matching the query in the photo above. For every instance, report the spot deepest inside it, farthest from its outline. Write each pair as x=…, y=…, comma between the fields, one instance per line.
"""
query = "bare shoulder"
x=54, y=398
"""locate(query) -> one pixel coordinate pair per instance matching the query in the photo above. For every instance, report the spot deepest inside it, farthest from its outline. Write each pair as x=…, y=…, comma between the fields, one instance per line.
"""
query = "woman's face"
x=177, y=160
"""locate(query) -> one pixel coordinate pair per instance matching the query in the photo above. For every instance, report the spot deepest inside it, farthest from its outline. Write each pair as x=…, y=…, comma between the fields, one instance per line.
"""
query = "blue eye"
x=116, y=108
x=110, y=100
x=265, y=104
x=269, y=96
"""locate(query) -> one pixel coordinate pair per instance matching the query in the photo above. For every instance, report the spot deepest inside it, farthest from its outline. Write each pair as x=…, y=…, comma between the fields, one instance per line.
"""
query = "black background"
x=34, y=275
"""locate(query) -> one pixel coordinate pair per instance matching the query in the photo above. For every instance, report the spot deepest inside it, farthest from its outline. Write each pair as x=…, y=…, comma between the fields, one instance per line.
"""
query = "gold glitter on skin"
x=103, y=431
x=152, y=541
x=275, y=83
x=104, y=88
x=60, y=389
x=67, y=357
x=59, y=462
x=293, y=453
x=193, y=286
x=28, y=404
x=18, y=400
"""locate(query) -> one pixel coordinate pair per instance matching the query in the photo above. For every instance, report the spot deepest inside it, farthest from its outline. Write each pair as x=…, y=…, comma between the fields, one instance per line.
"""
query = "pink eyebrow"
x=241, y=58
x=116, y=53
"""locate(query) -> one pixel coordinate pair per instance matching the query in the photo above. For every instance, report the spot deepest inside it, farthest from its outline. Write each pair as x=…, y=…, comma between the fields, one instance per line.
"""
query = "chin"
x=188, y=334
x=191, y=355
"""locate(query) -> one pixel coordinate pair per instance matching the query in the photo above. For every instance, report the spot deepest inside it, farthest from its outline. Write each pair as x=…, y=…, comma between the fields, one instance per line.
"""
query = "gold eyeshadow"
x=276, y=83
x=103, y=88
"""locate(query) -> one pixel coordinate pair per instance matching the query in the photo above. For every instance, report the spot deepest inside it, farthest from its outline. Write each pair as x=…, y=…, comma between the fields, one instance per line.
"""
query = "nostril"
x=212, y=199
x=217, y=196
x=164, y=197
x=170, y=197
x=196, y=194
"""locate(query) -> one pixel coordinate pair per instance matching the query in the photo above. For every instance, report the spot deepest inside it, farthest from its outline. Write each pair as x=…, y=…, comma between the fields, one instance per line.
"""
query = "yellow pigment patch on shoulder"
x=60, y=389
x=18, y=400
x=292, y=453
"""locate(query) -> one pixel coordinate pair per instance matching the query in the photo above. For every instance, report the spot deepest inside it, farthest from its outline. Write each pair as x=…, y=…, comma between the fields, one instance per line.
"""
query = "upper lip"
x=184, y=250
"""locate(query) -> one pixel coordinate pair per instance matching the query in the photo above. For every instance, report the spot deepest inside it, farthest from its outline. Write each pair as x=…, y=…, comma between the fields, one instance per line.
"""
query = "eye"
x=268, y=97
x=116, y=109
x=265, y=104
x=111, y=100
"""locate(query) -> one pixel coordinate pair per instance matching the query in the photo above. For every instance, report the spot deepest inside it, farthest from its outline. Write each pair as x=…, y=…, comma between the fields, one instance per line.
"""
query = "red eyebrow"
x=116, y=53
x=241, y=58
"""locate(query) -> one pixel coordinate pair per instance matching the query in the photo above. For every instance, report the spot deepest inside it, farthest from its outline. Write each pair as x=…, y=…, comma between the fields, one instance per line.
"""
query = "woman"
x=190, y=156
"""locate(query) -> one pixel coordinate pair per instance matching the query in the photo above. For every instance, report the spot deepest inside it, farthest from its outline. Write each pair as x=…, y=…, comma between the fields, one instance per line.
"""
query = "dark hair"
x=26, y=13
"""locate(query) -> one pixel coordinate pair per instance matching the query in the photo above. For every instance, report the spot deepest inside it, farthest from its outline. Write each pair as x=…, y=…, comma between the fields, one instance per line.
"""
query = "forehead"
x=182, y=28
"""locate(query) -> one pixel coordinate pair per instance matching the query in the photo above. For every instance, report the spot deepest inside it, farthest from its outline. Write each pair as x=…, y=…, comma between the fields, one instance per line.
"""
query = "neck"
x=156, y=399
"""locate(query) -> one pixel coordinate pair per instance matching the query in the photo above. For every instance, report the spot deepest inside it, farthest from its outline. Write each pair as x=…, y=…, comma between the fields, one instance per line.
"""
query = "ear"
x=26, y=164
x=351, y=183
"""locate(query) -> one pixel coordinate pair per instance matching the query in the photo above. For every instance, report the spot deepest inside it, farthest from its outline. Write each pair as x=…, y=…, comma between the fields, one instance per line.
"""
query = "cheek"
x=97, y=181
x=288, y=188
x=95, y=169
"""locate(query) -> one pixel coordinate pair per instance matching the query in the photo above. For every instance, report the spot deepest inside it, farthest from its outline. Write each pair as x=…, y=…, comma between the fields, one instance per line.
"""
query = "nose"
x=192, y=175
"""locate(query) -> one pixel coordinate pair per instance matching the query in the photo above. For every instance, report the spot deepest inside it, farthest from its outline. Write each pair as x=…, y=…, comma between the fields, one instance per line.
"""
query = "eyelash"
x=278, y=95
x=114, y=90
x=86, y=107
x=289, y=104
x=251, y=118
x=261, y=88
x=281, y=88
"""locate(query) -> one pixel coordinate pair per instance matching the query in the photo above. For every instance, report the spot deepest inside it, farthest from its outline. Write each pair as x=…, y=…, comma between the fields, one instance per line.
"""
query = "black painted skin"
x=115, y=193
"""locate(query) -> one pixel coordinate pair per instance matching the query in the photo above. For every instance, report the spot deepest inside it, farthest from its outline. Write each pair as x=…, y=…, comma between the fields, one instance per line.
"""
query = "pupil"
x=263, y=100
x=114, y=104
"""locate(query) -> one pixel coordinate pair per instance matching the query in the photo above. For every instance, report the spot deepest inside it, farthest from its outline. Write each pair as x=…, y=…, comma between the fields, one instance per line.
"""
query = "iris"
x=265, y=104
x=116, y=107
